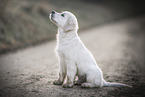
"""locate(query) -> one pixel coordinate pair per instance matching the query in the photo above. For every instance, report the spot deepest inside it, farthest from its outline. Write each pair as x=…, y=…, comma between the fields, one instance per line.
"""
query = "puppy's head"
x=65, y=20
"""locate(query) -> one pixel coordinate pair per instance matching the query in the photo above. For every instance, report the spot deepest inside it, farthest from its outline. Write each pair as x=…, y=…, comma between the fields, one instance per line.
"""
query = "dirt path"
x=118, y=47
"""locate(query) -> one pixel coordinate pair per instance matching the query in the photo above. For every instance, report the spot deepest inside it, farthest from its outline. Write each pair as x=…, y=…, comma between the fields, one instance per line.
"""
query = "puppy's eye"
x=62, y=15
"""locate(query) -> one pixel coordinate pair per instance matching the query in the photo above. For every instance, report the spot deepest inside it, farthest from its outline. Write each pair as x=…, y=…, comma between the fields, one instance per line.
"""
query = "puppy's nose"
x=53, y=12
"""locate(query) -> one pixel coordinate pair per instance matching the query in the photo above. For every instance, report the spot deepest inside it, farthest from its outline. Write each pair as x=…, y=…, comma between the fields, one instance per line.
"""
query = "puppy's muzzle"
x=52, y=14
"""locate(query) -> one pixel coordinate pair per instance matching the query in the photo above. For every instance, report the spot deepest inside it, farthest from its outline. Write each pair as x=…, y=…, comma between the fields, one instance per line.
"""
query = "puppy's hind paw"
x=87, y=85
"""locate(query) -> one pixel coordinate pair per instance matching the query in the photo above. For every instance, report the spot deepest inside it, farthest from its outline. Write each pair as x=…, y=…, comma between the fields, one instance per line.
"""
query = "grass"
x=26, y=22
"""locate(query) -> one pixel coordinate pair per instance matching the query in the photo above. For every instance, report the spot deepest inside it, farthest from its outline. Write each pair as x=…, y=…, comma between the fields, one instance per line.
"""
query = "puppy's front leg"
x=62, y=71
x=71, y=73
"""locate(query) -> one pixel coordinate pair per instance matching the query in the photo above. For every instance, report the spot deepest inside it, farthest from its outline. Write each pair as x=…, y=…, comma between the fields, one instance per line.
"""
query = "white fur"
x=74, y=58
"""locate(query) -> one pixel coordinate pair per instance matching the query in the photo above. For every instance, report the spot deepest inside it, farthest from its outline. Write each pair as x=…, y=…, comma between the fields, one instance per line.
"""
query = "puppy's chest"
x=63, y=48
x=66, y=48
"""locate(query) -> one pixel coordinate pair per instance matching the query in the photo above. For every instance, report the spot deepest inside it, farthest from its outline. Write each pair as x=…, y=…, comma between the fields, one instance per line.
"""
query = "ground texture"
x=118, y=47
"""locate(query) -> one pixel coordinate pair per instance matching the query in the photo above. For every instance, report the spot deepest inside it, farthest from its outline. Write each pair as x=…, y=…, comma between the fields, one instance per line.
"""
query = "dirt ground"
x=118, y=47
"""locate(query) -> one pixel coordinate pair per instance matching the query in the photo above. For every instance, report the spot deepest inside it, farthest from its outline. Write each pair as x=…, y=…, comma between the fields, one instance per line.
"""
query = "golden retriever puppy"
x=74, y=58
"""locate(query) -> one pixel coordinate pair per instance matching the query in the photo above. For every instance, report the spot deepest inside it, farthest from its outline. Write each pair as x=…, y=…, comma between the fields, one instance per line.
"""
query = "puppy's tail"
x=108, y=84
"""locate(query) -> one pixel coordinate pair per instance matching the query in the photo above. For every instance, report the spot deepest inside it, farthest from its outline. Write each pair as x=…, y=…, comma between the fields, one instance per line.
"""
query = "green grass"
x=26, y=22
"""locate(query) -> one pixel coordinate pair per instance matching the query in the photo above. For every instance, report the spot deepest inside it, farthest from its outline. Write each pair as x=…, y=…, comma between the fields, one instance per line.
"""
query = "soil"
x=119, y=49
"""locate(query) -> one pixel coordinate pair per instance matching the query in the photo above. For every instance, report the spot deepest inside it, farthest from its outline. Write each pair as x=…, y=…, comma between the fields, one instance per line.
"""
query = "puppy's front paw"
x=57, y=82
x=67, y=85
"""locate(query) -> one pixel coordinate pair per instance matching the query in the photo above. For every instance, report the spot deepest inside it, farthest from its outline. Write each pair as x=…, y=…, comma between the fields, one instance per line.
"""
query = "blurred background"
x=26, y=22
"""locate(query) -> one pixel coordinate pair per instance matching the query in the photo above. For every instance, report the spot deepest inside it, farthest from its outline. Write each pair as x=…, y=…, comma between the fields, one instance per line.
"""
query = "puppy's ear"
x=69, y=25
x=69, y=28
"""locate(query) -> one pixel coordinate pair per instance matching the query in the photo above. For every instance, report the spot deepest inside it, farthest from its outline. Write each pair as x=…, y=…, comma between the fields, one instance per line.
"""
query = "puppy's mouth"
x=51, y=17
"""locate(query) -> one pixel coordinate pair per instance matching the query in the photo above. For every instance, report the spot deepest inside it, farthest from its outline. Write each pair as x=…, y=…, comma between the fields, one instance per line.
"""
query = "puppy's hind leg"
x=88, y=85
x=94, y=79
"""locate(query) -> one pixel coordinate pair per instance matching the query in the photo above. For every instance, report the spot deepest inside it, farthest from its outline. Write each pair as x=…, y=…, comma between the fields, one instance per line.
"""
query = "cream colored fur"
x=74, y=58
